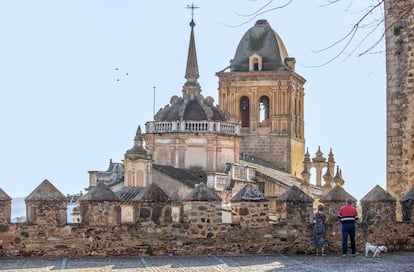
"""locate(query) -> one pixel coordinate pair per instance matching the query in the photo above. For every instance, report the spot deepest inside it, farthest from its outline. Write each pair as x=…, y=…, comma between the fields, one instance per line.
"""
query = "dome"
x=196, y=109
x=263, y=41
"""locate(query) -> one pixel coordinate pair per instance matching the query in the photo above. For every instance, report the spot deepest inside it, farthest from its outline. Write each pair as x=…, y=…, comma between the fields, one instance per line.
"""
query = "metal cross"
x=192, y=7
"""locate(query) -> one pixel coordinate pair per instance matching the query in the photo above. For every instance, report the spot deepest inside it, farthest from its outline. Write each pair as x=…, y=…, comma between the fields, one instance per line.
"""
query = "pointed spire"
x=338, y=177
x=331, y=156
x=191, y=89
x=306, y=165
x=319, y=156
x=191, y=72
x=328, y=176
x=307, y=155
x=137, y=151
x=138, y=140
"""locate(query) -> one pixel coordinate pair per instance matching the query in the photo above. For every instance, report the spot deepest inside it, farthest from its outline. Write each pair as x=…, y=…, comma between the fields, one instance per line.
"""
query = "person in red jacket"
x=348, y=216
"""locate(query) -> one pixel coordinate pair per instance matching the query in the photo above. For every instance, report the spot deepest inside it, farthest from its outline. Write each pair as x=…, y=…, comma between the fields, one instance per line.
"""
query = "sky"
x=64, y=112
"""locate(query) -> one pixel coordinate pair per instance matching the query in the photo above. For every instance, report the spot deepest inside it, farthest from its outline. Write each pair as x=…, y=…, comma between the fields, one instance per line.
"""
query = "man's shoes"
x=355, y=254
x=343, y=255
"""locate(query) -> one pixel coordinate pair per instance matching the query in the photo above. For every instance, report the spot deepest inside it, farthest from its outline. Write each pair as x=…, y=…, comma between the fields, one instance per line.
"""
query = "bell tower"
x=263, y=93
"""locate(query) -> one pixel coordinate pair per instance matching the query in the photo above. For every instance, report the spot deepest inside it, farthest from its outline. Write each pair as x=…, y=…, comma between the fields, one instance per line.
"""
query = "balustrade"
x=192, y=126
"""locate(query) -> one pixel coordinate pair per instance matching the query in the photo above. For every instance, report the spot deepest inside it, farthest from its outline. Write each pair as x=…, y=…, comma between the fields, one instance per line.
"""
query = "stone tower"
x=263, y=93
x=399, y=27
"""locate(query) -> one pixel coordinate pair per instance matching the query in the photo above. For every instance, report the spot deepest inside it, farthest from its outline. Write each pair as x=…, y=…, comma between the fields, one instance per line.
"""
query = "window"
x=244, y=111
x=264, y=108
x=255, y=63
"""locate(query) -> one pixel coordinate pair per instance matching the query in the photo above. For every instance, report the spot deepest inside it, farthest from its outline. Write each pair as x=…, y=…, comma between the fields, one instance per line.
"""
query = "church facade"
x=254, y=136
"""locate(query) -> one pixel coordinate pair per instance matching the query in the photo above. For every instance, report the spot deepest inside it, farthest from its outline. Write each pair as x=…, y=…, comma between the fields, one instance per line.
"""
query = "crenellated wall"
x=201, y=230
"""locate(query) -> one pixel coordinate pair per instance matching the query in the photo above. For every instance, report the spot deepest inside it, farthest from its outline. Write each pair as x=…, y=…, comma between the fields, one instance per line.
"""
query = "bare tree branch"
x=261, y=11
x=329, y=2
x=257, y=11
x=366, y=21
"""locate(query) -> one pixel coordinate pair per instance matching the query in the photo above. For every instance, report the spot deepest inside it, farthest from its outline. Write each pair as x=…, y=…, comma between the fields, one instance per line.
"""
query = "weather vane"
x=192, y=7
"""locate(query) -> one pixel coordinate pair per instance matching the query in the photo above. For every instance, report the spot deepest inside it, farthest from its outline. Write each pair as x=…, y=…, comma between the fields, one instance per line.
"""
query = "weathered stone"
x=378, y=206
x=144, y=213
x=4, y=228
x=46, y=205
x=399, y=24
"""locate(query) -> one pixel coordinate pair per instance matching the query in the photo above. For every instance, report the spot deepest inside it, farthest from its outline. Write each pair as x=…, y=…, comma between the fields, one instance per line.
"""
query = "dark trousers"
x=348, y=229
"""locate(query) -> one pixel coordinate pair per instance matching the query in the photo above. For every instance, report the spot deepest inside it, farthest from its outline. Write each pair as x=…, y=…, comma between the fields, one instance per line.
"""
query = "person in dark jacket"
x=348, y=215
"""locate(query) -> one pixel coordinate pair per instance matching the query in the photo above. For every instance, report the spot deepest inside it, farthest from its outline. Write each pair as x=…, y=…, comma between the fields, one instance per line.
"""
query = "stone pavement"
x=395, y=262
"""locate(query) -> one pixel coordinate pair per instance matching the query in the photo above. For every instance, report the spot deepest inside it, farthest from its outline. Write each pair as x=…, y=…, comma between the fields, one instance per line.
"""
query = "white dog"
x=376, y=250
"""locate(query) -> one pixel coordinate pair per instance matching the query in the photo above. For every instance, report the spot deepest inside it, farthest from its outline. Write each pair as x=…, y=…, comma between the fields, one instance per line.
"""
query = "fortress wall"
x=182, y=239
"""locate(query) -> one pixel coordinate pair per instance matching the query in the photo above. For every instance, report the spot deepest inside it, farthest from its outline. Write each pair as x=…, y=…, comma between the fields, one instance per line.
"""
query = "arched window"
x=264, y=108
x=245, y=111
x=255, y=63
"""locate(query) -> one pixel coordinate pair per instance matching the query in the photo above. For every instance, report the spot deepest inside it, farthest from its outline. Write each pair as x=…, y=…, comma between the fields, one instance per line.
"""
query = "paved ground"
x=395, y=262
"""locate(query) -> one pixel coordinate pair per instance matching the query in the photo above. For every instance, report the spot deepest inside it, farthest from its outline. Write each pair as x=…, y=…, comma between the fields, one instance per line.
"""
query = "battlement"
x=198, y=228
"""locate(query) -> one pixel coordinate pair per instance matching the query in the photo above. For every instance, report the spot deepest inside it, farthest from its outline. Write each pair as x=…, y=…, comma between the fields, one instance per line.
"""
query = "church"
x=254, y=135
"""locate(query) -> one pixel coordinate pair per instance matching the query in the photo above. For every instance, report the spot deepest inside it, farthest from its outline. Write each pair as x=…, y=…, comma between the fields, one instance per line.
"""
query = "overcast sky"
x=63, y=111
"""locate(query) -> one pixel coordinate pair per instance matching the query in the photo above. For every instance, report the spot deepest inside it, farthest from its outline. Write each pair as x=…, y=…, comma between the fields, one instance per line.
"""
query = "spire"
x=191, y=72
x=191, y=87
x=328, y=176
x=331, y=156
x=338, y=180
x=319, y=156
x=138, y=140
x=137, y=151
x=307, y=156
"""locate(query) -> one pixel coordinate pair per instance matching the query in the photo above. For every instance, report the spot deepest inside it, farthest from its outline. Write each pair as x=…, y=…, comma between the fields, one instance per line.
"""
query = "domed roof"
x=100, y=192
x=265, y=42
x=196, y=109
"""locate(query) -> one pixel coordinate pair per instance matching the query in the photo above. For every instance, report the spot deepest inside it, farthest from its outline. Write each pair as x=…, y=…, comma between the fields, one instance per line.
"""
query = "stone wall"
x=46, y=212
x=104, y=213
x=250, y=214
x=186, y=239
x=400, y=96
x=201, y=230
x=5, y=211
